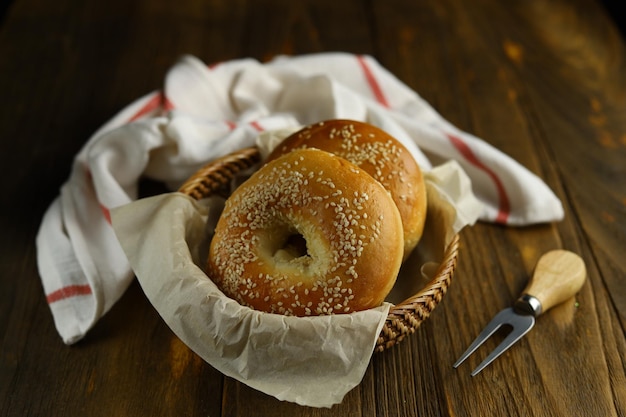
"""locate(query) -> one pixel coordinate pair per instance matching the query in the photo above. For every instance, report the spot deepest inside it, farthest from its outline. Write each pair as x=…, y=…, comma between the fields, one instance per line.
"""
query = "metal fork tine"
x=521, y=325
x=517, y=333
x=558, y=275
x=490, y=329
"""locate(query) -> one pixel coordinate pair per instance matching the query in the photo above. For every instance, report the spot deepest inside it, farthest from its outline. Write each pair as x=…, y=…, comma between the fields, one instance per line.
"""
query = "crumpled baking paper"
x=311, y=361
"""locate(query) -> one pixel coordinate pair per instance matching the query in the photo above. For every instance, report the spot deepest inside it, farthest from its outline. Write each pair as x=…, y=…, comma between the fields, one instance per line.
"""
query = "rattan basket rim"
x=403, y=318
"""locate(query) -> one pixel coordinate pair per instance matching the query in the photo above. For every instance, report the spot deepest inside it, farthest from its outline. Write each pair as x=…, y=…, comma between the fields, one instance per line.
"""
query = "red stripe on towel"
x=166, y=103
x=372, y=82
x=68, y=292
x=504, y=207
x=106, y=213
x=152, y=104
x=257, y=126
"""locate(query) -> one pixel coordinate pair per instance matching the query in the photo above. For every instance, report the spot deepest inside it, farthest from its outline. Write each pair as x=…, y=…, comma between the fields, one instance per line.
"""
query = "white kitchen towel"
x=204, y=112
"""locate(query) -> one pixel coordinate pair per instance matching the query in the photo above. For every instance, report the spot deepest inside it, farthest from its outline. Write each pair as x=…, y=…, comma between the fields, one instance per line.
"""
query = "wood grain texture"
x=544, y=81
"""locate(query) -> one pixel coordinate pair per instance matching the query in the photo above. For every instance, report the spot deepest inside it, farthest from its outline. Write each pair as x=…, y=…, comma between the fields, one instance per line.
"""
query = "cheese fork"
x=558, y=276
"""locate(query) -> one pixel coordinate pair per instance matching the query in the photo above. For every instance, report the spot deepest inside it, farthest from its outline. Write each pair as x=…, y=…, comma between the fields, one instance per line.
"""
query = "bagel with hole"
x=377, y=153
x=307, y=234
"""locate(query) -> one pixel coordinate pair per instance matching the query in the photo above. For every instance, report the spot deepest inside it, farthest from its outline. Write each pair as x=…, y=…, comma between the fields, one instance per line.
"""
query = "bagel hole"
x=295, y=245
x=292, y=247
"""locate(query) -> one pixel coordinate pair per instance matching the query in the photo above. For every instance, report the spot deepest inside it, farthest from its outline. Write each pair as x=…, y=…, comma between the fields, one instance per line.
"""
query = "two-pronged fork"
x=558, y=276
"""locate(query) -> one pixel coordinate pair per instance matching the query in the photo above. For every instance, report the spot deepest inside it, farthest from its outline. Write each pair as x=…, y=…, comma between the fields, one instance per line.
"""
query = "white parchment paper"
x=311, y=361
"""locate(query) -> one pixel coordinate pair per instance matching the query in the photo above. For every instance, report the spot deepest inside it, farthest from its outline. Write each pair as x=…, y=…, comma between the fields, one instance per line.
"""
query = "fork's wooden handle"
x=558, y=276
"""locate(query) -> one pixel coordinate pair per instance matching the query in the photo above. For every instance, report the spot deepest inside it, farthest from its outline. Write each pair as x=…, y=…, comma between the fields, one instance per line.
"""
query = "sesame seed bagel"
x=377, y=153
x=307, y=234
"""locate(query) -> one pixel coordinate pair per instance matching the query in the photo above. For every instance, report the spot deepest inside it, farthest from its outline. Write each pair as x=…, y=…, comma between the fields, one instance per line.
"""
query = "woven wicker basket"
x=405, y=317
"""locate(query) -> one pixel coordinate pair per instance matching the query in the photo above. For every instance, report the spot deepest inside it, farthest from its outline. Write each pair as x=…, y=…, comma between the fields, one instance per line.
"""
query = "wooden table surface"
x=543, y=81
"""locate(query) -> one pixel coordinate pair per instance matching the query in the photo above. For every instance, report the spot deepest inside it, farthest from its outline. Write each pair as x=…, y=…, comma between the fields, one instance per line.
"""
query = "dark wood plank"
x=506, y=114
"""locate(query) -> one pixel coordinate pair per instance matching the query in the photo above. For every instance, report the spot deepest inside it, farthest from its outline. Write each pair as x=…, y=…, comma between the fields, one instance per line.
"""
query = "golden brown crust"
x=377, y=153
x=308, y=234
